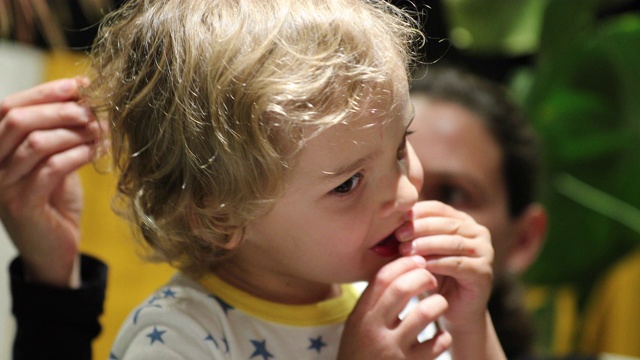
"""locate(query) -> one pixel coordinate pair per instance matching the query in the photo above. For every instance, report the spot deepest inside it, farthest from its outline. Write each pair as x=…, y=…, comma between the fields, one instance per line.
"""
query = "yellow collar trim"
x=332, y=311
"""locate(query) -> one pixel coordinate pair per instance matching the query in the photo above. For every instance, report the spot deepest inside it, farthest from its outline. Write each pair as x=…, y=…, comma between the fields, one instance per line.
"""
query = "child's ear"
x=234, y=239
x=531, y=230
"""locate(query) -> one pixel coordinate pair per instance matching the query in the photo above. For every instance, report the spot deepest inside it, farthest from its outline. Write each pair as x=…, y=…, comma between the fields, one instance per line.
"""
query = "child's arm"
x=374, y=331
x=459, y=253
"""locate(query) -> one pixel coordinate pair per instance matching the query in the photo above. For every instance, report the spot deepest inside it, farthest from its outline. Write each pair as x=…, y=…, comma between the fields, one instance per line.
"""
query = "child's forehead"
x=344, y=148
x=383, y=106
x=390, y=97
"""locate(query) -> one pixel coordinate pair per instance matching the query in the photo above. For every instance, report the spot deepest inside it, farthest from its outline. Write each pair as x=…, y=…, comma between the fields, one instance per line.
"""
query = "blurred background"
x=574, y=65
x=575, y=68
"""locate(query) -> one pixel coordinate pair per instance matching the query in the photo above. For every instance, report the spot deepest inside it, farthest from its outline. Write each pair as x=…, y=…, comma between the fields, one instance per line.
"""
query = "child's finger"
x=425, y=312
x=437, y=225
x=370, y=300
x=398, y=294
x=446, y=245
x=459, y=267
x=436, y=208
x=433, y=347
x=388, y=273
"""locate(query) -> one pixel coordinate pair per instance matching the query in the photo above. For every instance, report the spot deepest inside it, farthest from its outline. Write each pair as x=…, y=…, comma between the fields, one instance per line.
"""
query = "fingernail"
x=405, y=231
x=83, y=81
x=407, y=249
x=419, y=260
x=66, y=86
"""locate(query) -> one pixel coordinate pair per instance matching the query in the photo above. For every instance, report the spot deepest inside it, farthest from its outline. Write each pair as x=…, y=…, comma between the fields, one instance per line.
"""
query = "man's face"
x=462, y=167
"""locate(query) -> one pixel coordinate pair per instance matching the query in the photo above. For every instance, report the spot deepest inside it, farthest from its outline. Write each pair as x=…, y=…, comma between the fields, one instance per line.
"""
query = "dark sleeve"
x=57, y=323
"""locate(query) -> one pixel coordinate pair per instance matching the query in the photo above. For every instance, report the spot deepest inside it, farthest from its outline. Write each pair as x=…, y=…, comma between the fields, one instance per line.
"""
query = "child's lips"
x=388, y=247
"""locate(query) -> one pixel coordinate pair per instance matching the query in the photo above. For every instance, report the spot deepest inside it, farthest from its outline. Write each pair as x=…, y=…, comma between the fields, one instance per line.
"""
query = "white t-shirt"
x=185, y=320
x=209, y=319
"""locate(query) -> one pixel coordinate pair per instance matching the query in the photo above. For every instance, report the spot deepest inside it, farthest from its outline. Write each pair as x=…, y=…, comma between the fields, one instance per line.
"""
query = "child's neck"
x=277, y=289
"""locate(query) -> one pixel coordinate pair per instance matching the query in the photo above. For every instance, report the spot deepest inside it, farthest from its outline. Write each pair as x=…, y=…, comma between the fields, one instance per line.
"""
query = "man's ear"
x=531, y=231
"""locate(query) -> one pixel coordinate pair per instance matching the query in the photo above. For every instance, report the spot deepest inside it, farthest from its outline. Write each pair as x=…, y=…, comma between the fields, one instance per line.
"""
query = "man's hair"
x=503, y=118
x=208, y=99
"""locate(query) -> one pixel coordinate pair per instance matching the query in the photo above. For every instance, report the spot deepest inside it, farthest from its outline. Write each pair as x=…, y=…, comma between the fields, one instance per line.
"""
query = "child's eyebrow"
x=348, y=169
x=413, y=115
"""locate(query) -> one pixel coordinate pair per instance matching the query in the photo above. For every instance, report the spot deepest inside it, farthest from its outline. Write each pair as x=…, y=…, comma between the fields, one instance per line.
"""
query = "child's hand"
x=373, y=330
x=459, y=252
x=45, y=135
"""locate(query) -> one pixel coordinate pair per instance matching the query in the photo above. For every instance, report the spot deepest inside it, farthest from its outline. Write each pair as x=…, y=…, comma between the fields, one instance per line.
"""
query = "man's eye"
x=348, y=186
x=451, y=195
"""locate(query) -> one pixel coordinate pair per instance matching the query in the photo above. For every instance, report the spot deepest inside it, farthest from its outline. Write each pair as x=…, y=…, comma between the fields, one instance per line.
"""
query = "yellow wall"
x=107, y=236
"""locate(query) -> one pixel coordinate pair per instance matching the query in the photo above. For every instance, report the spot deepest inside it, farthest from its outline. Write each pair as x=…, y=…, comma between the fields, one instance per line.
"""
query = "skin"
x=323, y=231
x=45, y=135
x=292, y=255
x=462, y=167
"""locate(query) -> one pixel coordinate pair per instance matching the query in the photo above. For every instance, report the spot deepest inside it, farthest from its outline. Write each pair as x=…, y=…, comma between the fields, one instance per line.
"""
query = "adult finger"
x=53, y=91
x=19, y=122
x=51, y=172
x=40, y=145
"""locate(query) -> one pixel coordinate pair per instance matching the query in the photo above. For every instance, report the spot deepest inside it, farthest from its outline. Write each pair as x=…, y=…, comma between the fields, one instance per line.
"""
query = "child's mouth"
x=388, y=247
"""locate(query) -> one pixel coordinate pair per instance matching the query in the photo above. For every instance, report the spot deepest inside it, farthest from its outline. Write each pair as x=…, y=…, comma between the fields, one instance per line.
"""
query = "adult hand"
x=46, y=134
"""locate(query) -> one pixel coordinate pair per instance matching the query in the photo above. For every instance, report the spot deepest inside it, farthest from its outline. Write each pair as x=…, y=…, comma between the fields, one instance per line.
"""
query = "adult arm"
x=46, y=134
x=57, y=322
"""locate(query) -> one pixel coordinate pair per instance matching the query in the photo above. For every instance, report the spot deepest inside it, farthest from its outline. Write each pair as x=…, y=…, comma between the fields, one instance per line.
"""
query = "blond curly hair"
x=207, y=100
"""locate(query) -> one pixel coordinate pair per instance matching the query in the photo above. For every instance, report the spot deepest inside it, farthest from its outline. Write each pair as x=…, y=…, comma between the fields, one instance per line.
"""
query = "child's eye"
x=348, y=186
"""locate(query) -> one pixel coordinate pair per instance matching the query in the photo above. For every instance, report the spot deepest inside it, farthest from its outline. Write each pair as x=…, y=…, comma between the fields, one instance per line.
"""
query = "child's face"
x=352, y=186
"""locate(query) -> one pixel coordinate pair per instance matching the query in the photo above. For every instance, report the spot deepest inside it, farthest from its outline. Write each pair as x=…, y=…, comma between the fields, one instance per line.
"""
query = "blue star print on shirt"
x=168, y=293
x=213, y=340
x=316, y=344
x=225, y=306
x=156, y=335
x=137, y=313
x=210, y=338
x=260, y=349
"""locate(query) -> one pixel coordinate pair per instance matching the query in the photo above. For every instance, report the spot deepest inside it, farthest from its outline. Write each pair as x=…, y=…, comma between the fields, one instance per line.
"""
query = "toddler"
x=261, y=150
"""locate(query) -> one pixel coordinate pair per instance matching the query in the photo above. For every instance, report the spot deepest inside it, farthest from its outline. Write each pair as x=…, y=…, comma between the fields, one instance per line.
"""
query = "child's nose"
x=403, y=199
